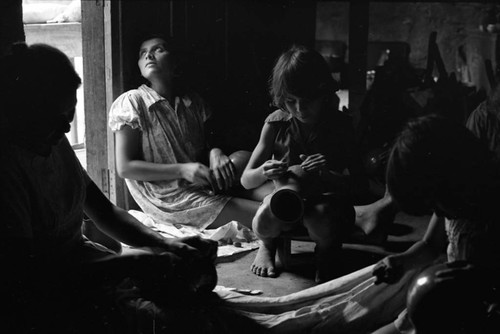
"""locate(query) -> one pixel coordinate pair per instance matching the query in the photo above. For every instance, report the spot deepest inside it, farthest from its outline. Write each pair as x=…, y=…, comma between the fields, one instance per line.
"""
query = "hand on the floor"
x=389, y=270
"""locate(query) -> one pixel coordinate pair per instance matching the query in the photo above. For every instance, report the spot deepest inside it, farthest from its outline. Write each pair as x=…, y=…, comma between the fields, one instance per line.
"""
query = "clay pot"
x=285, y=204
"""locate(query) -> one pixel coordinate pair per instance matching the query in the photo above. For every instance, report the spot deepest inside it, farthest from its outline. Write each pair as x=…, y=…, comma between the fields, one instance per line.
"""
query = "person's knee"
x=266, y=228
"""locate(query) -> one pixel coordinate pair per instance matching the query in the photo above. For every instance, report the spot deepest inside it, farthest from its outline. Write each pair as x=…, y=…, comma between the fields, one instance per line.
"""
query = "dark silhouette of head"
x=451, y=305
x=438, y=165
x=38, y=86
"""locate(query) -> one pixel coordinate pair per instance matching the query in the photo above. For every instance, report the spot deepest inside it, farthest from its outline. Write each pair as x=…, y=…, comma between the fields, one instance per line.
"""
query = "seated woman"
x=438, y=166
x=54, y=279
x=162, y=152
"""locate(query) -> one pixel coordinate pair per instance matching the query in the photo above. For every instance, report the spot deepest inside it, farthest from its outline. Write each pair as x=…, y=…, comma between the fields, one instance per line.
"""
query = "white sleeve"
x=125, y=111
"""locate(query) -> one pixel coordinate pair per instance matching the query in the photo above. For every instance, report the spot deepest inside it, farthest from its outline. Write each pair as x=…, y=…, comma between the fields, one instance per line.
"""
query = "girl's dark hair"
x=302, y=72
x=436, y=159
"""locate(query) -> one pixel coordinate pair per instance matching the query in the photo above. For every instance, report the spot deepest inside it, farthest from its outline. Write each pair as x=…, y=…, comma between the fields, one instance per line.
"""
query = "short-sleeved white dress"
x=170, y=134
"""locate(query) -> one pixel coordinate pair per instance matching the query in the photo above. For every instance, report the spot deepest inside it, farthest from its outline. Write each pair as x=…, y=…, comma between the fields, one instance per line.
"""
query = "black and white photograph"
x=249, y=166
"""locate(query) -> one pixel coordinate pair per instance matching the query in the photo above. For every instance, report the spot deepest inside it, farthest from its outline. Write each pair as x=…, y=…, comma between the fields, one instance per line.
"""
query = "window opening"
x=58, y=23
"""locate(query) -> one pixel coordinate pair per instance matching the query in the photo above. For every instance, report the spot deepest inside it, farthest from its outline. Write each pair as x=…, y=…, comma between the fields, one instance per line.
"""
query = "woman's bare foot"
x=264, y=263
x=373, y=221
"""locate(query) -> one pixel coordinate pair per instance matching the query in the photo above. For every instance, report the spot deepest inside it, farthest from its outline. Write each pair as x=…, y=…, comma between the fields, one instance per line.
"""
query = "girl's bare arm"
x=253, y=175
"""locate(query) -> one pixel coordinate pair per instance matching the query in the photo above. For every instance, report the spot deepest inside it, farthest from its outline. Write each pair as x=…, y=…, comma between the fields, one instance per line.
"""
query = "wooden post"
x=94, y=79
x=358, y=51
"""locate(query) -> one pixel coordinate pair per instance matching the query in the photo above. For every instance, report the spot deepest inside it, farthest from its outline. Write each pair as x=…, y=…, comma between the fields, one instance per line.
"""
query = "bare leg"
x=239, y=209
x=373, y=219
x=267, y=228
x=256, y=194
x=324, y=227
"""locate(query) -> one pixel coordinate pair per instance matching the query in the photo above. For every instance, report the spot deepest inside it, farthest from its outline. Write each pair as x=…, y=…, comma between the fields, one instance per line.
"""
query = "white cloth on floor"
x=233, y=237
x=348, y=304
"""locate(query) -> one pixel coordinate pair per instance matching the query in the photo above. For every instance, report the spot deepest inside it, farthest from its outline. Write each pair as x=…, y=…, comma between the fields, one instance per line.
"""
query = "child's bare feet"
x=264, y=264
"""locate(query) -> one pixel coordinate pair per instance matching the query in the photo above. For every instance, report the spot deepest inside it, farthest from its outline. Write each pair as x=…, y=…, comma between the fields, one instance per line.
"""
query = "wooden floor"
x=235, y=272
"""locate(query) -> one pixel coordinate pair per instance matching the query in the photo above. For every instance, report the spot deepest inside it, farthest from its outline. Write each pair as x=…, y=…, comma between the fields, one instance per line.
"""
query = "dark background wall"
x=231, y=44
x=230, y=48
x=456, y=24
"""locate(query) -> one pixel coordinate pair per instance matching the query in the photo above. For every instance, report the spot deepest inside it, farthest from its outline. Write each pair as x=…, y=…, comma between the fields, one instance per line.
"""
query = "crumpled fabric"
x=233, y=237
x=348, y=304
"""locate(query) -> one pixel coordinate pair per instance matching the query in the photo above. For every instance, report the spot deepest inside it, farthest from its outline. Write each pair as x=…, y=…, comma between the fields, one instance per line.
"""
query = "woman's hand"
x=389, y=270
x=223, y=170
x=313, y=163
x=198, y=174
x=193, y=247
x=274, y=169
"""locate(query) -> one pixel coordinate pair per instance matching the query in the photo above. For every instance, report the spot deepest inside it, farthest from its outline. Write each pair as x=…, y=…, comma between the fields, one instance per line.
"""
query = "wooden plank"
x=95, y=92
x=118, y=192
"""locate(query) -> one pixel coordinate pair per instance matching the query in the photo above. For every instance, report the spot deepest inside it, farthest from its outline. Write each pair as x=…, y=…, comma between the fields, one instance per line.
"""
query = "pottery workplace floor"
x=234, y=272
